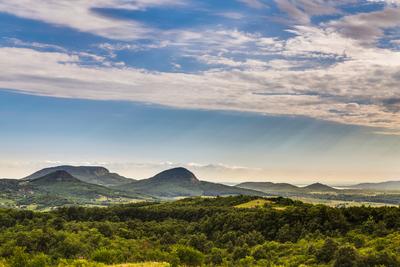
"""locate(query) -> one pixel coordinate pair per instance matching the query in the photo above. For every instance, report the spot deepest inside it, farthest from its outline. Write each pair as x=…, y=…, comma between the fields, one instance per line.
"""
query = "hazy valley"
x=97, y=186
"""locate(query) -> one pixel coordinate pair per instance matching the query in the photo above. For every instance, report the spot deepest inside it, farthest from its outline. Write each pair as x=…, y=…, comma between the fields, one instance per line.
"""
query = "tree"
x=20, y=258
x=105, y=255
x=286, y=234
x=346, y=257
x=259, y=252
x=216, y=257
x=189, y=256
x=240, y=252
x=248, y=261
x=40, y=260
x=327, y=251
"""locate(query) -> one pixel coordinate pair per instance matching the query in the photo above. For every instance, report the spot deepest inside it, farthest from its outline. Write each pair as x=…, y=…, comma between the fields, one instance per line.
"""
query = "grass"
x=256, y=203
x=260, y=203
x=279, y=208
x=336, y=203
x=32, y=207
x=4, y=202
x=142, y=264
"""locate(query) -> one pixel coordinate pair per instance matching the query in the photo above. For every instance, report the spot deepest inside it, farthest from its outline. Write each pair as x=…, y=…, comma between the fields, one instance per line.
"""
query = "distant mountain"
x=88, y=174
x=60, y=188
x=180, y=182
x=389, y=185
x=268, y=186
x=8, y=185
x=176, y=175
x=56, y=177
x=63, y=184
x=318, y=187
x=279, y=188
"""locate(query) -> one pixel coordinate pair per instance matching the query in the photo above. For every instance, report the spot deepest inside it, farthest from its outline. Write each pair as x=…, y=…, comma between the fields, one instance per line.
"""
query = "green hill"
x=384, y=186
x=60, y=188
x=285, y=187
x=88, y=174
x=63, y=184
x=179, y=182
x=8, y=185
x=318, y=187
x=55, y=177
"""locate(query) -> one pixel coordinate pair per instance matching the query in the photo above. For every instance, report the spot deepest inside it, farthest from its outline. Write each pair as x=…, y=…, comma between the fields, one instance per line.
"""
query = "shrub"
x=105, y=255
x=189, y=256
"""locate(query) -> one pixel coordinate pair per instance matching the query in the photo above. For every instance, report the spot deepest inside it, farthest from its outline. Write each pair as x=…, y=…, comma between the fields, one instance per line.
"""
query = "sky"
x=279, y=90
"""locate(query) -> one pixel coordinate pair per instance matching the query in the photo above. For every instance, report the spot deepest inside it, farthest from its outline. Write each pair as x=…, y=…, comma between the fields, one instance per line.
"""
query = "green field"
x=340, y=203
x=256, y=203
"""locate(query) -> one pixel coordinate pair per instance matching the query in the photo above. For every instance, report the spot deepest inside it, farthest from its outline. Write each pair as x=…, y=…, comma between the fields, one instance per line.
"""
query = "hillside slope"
x=60, y=188
x=88, y=174
x=179, y=182
x=285, y=187
x=268, y=186
x=389, y=185
x=318, y=187
x=63, y=184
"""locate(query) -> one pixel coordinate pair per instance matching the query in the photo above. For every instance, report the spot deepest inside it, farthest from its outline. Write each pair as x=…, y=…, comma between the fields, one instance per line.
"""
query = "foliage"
x=202, y=232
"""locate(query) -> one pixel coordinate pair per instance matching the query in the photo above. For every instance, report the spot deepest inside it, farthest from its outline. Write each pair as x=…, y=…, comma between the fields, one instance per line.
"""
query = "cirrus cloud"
x=319, y=92
x=82, y=15
x=335, y=70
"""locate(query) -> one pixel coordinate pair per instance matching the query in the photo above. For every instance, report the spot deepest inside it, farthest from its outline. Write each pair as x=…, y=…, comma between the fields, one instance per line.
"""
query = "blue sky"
x=282, y=90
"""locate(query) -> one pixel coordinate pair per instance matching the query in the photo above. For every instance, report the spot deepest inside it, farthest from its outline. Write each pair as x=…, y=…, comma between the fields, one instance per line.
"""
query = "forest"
x=198, y=231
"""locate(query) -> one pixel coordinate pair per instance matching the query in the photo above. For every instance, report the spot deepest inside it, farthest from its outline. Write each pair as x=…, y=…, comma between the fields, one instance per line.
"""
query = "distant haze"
x=224, y=174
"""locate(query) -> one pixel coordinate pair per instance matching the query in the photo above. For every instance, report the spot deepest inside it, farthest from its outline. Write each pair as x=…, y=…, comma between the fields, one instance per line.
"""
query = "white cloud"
x=368, y=27
x=389, y=2
x=220, y=38
x=301, y=11
x=324, y=71
x=293, y=11
x=258, y=4
x=81, y=15
x=231, y=15
x=276, y=91
x=37, y=45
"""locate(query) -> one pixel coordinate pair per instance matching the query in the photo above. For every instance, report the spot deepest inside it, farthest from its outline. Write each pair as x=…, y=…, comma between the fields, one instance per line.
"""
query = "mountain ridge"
x=180, y=182
x=62, y=187
x=176, y=174
x=57, y=176
x=319, y=187
x=89, y=174
x=386, y=185
x=285, y=187
x=268, y=186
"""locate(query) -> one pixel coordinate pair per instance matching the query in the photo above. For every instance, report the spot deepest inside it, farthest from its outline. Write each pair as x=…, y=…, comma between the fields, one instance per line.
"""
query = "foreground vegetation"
x=228, y=231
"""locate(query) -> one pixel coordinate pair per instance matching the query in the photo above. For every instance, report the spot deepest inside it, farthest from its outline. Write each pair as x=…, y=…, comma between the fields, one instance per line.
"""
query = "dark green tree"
x=327, y=251
x=346, y=257
x=189, y=256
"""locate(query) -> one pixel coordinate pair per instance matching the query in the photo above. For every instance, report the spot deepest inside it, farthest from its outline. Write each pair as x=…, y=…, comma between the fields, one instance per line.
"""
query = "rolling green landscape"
x=198, y=231
x=95, y=186
x=55, y=218
x=199, y=133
